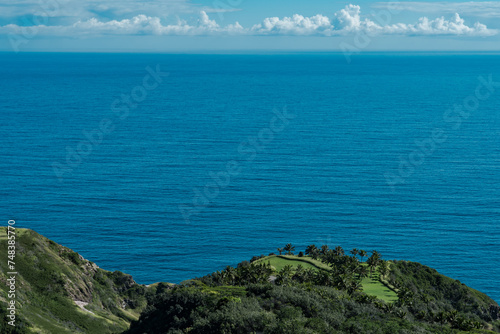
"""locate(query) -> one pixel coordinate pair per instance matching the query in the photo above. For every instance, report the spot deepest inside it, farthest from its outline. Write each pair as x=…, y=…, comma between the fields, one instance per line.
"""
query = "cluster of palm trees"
x=337, y=256
x=346, y=271
x=289, y=276
x=316, y=252
x=248, y=273
x=289, y=249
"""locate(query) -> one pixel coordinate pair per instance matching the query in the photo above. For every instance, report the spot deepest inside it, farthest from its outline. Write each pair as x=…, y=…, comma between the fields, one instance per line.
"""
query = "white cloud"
x=440, y=26
x=346, y=21
x=472, y=8
x=138, y=25
x=350, y=21
x=295, y=25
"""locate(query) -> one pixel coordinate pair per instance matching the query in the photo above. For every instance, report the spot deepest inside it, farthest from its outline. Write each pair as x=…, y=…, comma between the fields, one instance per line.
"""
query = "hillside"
x=327, y=292
x=321, y=291
x=60, y=292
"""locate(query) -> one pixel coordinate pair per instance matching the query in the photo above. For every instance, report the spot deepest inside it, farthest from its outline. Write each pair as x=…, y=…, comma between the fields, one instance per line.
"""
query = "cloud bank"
x=344, y=22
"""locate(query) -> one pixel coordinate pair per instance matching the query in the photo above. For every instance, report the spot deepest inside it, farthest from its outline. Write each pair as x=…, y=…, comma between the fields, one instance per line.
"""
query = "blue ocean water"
x=373, y=155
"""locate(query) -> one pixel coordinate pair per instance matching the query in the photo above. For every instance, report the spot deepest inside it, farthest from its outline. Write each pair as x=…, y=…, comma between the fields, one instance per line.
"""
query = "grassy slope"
x=51, y=277
x=279, y=261
x=371, y=285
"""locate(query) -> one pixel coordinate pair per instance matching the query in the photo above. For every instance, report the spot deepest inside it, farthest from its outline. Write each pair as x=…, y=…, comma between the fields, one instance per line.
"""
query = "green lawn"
x=371, y=285
x=279, y=261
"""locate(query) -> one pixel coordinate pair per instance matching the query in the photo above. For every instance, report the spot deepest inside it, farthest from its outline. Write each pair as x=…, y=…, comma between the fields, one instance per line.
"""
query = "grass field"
x=279, y=261
x=371, y=285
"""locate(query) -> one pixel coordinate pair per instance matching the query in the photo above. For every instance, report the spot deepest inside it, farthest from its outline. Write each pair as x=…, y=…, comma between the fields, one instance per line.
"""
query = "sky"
x=247, y=25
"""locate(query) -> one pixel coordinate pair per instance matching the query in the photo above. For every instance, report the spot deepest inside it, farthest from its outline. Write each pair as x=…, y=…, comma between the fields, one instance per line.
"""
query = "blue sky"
x=278, y=25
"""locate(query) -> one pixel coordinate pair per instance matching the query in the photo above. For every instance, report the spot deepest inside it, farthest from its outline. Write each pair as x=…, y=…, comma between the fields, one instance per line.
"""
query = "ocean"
x=173, y=176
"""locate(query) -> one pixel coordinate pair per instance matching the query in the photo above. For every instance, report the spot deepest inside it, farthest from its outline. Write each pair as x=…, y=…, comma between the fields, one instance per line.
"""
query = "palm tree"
x=453, y=316
x=354, y=286
x=284, y=275
x=354, y=252
x=372, y=263
x=289, y=249
x=299, y=273
x=374, y=260
x=376, y=255
x=401, y=313
x=339, y=251
x=230, y=274
x=362, y=272
x=389, y=308
x=280, y=250
x=362, y=253
x=383, y=268
x=312, y=250
x=324, y=249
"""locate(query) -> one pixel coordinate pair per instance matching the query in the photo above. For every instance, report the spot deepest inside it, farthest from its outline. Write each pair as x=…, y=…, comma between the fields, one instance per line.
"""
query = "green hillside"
x=371, y=285
x=52, y=279
x=325, y=291
x=322, y=291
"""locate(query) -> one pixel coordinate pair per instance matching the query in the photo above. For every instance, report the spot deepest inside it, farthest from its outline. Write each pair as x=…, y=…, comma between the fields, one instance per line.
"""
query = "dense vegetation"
x=52, y=277
x=320, y=290
x=255, y=297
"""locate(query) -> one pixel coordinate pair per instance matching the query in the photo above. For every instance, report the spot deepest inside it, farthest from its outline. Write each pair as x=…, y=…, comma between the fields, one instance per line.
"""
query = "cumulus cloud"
x=350, y=21
x=346, y=21
x=295, y=25
x=440, y=26
x=138, y=25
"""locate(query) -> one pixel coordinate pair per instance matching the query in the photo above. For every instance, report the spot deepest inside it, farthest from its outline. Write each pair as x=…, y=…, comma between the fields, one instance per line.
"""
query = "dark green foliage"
x=20, y=326
x=298, y=300
x=425, y=291
x=251, y=298
x=267, y=308
x=73, y=257
x=51, y=277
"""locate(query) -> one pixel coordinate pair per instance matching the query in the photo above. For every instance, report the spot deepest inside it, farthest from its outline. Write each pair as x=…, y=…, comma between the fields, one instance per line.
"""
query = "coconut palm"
x=362, y=272
x=362, y=253
x=289, y=249
x=280, y=250
x=284, y=275
x=383, y=268
x=354, y=252
x=312, y=251
x=339, y=251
